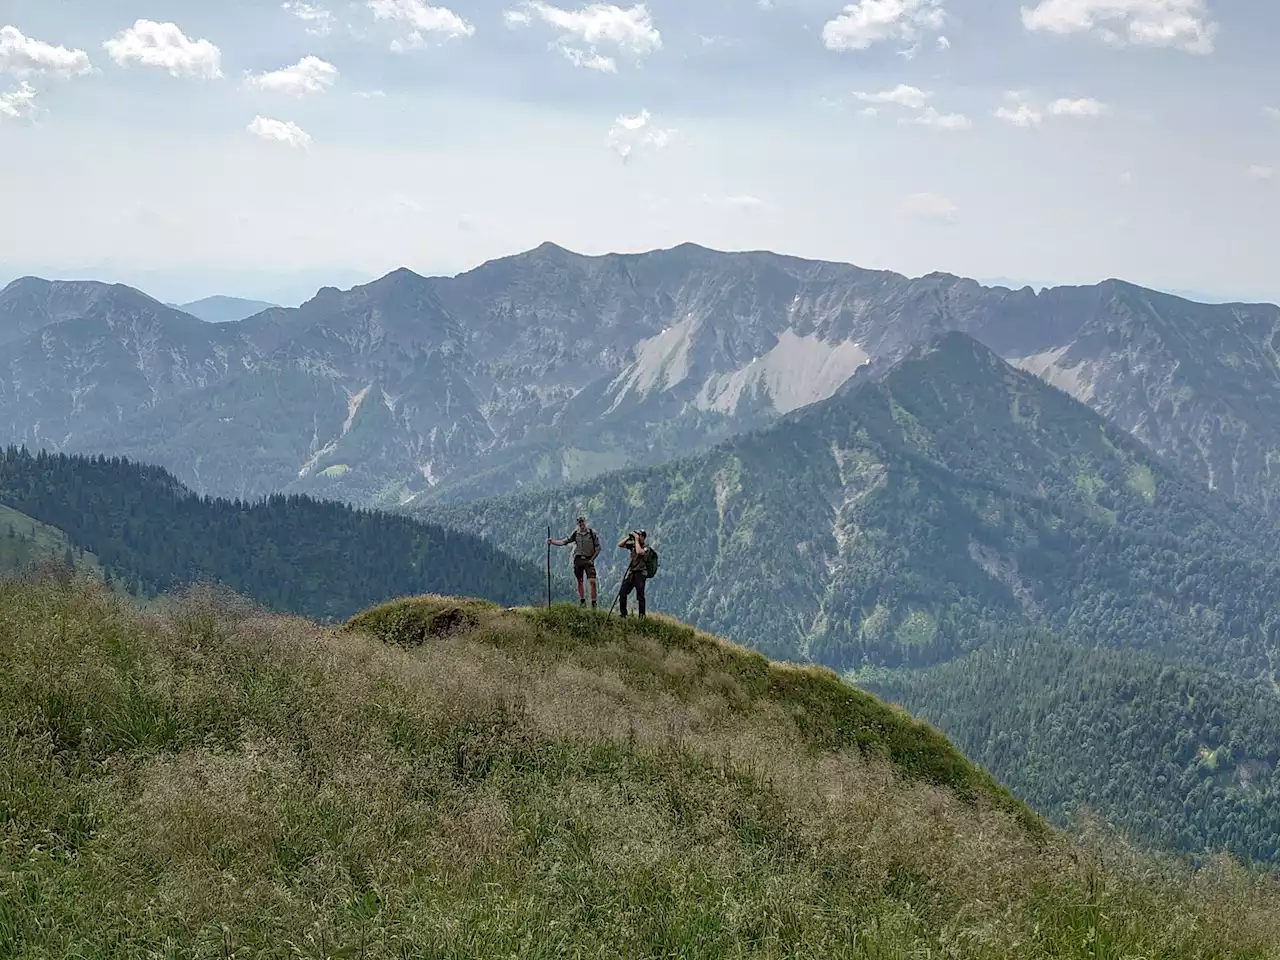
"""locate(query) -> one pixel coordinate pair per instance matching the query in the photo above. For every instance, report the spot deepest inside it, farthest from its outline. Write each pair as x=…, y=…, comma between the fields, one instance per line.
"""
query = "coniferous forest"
x=1184, y=758
x=290, y=553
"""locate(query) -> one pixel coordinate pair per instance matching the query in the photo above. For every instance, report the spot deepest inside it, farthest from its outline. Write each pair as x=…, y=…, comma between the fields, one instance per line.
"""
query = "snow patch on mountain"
x=798, y=371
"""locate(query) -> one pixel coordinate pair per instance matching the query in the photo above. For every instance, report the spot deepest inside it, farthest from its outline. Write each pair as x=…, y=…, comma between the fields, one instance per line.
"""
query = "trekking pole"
x=548, y=567
x=617, y=595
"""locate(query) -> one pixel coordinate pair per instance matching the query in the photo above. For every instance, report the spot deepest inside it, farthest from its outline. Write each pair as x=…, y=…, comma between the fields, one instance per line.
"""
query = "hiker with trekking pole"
x=586, y=547
x=641, y=567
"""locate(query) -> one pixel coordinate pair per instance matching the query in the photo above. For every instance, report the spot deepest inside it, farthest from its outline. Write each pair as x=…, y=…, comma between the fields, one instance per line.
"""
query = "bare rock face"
x=549, y=367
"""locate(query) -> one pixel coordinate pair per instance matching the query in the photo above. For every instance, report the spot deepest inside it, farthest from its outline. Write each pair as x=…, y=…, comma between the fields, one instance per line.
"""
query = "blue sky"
x=262, y=149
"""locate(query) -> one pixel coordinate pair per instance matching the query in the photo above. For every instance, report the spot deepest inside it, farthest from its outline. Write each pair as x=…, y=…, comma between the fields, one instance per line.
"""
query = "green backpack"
x=650, y=563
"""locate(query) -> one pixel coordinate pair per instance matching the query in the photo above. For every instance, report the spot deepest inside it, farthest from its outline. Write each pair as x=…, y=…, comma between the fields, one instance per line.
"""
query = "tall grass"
x=450, y=779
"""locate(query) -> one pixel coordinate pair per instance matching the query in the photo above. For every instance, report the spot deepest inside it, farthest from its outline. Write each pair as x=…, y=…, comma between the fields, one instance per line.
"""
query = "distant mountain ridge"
x=219, y=309
x=550, y=367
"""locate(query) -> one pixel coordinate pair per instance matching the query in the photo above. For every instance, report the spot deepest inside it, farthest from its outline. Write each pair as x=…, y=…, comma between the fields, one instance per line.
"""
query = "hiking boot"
x=582, y=601
x=593, y=604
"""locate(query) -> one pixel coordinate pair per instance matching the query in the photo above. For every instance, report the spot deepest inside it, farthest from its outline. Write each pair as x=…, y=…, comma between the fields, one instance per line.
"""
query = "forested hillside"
x=1183, y=758
x=288, y=552
x=893, y=523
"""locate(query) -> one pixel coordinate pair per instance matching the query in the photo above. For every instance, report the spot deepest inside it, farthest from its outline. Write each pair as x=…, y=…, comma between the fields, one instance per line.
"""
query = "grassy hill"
x=214, y=781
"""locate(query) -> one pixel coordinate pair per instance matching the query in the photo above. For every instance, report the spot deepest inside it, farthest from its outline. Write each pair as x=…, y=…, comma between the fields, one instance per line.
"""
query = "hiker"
x=586, y=547
x=637, y=570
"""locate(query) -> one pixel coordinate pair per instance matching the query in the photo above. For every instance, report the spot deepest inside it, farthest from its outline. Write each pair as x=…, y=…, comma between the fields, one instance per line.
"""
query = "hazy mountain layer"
x=224, y=309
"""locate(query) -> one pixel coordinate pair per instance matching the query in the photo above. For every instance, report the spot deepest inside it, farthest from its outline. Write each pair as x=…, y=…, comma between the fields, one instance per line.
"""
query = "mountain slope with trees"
x=1188, y=759
x=26, y=543
x=290, y=553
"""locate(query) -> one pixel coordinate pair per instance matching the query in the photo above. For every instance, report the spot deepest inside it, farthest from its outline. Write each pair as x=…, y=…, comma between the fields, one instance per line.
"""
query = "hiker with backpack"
x=586, y=547
x=641, y=568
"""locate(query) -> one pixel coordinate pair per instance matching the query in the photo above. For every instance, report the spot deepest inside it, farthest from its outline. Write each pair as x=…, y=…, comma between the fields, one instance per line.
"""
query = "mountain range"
x=549, y=367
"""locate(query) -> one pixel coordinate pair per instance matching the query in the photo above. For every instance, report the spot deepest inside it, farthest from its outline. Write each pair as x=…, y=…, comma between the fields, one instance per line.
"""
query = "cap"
x=582, y=519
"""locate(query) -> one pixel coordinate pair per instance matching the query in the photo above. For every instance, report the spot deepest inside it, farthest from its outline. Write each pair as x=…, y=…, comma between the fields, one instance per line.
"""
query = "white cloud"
x=308, y=75
x=280, y=131
x=1257, y=172
x=583, y=32
x=1084, y=107
x=592, y=61
x=1018, y=112
x=421, y=20
x=22, y=56
x=1272, y=112
x=629, y=134
x=1182, y=24
x=943, y=43
x=929, y=117
x=18, y=104
x=319, y=21
x=868, y=22
x=163, y=45
x=929, y=206
x=1126, y=177
x=912, y=98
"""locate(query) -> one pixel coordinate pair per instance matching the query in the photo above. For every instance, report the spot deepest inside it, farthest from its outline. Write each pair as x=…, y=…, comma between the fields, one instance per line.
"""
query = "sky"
x=262, y=149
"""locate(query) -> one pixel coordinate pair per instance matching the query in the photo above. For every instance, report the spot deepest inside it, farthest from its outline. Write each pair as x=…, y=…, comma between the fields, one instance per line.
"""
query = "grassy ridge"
x=214, y=781
x=829, y=715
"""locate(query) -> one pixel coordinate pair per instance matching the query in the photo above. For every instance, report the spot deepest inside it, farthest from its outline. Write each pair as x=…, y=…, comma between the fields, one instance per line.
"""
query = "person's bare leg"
x=593, y=593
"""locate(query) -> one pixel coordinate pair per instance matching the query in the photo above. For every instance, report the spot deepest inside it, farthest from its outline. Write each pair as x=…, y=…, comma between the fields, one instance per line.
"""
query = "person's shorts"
x=583, y=566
